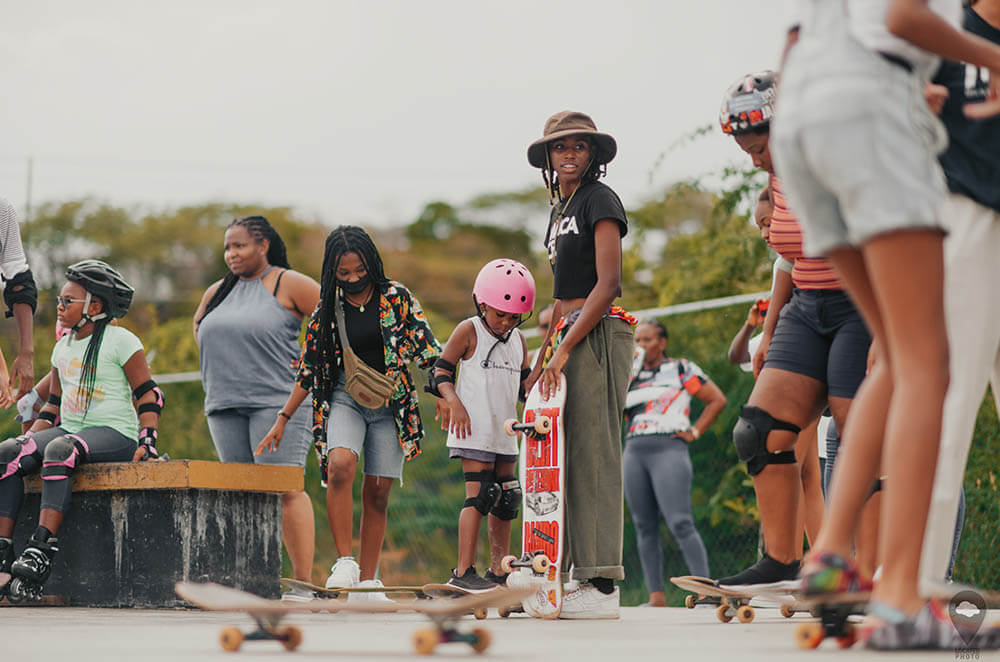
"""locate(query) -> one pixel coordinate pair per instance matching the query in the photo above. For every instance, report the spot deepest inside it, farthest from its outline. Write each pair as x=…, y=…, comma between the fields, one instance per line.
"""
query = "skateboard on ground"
x=268, y=614
x=448, y=591
x=834, y=611
x=542, y=474
x=321, y=592
x=734, y=603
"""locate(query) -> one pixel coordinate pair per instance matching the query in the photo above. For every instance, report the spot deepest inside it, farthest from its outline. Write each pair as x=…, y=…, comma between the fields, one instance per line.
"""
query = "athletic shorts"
x=370, y=434
x=820, y=334
x=858, y=158
x=480, y=456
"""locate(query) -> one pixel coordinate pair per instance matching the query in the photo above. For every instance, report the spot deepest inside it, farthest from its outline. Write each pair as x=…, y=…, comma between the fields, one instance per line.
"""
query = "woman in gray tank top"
x=247, y=328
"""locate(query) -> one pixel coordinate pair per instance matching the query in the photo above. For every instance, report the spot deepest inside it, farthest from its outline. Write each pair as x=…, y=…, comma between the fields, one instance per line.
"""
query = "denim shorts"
x=237, y=431
x=358, y=428
x=821, y=334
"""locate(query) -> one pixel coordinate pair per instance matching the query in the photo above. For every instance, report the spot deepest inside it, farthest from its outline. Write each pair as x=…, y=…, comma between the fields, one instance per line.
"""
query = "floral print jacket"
x=407, y=337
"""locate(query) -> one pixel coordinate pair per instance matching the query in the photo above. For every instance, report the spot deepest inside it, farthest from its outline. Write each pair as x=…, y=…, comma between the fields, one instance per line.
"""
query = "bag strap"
x=349, y=354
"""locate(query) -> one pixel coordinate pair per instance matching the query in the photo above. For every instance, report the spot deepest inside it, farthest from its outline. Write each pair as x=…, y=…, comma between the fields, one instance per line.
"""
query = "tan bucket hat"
x=570, y=123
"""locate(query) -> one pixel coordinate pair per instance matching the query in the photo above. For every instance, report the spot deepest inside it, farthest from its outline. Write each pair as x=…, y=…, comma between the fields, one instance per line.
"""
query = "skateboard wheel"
x=425, y=641
x=508, y=426
x=689, y=601
x=231, y=639
x=543, y=424
x=724, y=614
x=540, y=563
x=506, y=563
x=745, y=614
x=290, y=637
x=480, y=613
x=504, y=612
x=809, y=635
x=787, y=611
x=481, y=640
x=849, y=637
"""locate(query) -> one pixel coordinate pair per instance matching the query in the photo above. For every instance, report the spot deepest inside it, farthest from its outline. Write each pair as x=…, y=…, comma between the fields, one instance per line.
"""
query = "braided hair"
x=259, y=228
x=88, y=374
x=343, y=239
x=593, y=172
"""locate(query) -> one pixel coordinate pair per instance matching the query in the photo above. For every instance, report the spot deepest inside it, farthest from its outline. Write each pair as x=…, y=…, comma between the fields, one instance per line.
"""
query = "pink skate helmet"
x=506, y=285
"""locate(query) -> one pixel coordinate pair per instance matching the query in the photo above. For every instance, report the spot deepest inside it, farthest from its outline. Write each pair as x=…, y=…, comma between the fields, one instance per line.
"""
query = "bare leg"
x=905, y=393
x=298, y=528
x=498, y=529
x=341, y=468
x=375, y=509
x=798, y=400
x=812, y=505
x=470, y=519
x=6, y=527
x=50, y=519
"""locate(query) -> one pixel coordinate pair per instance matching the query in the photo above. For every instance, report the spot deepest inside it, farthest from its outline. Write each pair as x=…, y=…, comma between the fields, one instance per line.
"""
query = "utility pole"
x=27, y=196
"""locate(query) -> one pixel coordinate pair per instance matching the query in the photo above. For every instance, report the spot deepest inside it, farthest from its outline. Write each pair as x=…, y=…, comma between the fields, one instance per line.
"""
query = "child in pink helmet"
x=494, y=360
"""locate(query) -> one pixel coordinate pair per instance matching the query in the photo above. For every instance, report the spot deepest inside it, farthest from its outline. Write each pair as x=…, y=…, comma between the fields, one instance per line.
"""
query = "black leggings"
x=97, y=444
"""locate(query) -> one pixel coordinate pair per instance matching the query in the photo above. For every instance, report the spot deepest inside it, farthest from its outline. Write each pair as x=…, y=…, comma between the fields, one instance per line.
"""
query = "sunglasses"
x=66, y=302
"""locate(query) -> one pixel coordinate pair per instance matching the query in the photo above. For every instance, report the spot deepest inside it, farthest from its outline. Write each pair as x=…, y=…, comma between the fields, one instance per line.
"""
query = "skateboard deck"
x=268, y=614
x=332, y=593
x=734, y=603
x=542, y=474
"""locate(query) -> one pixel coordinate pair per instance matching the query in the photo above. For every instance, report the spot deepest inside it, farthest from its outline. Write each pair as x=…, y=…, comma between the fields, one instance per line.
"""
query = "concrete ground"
x=80, y=635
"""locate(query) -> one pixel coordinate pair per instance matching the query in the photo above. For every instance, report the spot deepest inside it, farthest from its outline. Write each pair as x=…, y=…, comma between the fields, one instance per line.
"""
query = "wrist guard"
x=147, y=441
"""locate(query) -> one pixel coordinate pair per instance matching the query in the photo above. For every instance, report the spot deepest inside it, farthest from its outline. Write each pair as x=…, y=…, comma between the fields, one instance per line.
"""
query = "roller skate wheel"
x=745, y=614
x=508, y=426
x=291, y=637
x=231, y=639
x=425, y=641
x=809, y=635
x=481, y=640
x=543, y=424
x=540, y=563
x=506, y=563
x=723, y=613
x=689, y=601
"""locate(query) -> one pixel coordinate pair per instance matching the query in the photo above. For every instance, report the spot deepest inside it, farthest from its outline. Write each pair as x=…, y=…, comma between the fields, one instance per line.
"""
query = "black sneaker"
x=471, y=582
x=764, y=575
x=499, y=580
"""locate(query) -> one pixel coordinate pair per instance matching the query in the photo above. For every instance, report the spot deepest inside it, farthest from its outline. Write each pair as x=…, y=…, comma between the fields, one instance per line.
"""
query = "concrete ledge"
x=134, y=529
x=179, y=475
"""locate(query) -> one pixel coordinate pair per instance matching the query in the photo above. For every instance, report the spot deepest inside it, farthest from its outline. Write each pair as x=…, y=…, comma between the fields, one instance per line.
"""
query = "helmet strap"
x=480, y=315
x=86, y=317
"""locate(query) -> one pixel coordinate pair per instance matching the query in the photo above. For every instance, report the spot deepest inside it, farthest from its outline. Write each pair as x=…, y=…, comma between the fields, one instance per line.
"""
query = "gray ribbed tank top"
x=247, y=345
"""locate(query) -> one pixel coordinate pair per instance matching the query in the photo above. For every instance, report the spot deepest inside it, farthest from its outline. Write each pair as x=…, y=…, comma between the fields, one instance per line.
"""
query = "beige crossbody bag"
x=369, y=387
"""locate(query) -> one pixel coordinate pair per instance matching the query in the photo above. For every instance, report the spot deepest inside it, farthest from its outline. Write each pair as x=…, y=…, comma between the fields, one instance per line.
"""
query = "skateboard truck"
x=540, y=426
x=538, y=562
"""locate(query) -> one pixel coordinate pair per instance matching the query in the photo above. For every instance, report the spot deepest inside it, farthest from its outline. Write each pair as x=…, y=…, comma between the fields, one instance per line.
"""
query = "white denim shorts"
x=858, y=156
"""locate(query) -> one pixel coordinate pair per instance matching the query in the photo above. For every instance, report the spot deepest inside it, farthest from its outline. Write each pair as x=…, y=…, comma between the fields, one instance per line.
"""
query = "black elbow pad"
x=20, y=289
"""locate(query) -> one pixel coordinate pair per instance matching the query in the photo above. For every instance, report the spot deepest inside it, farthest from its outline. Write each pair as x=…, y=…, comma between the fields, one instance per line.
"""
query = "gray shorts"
x=372, y=431
x=857, y=155
x=236, y=433
x=480, y=456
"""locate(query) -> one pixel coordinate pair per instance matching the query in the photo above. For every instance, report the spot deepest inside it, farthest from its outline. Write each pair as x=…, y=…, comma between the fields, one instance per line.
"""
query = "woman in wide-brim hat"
x=592, y=345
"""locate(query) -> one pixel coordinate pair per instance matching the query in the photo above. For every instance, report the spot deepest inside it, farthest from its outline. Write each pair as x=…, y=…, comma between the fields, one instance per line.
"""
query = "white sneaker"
x=587, y=602
x=345, y=573
x=296, y=594
x=374, y=597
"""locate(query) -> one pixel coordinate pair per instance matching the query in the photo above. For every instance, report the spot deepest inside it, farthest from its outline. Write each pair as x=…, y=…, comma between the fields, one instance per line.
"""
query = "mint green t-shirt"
x=111, y=404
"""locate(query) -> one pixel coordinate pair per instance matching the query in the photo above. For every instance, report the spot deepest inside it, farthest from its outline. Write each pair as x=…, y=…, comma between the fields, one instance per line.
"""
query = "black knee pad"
x=62, y=455
x=489, y=491
x=750, y=439
x=510, y=498
x=12, y=453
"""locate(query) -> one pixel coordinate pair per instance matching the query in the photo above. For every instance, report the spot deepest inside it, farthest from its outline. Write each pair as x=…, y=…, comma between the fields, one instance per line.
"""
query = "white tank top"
x=487, y=385
x=866, y=19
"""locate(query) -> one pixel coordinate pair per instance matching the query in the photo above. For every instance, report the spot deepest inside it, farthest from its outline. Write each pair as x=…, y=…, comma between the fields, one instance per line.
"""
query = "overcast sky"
x=357, y=111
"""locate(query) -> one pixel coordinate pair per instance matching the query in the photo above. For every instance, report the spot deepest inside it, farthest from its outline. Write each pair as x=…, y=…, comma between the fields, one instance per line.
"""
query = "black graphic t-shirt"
x=570, y=238
x=972, y=161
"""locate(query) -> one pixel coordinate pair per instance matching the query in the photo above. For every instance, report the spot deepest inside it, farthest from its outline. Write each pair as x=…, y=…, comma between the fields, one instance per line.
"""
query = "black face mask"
x=355, y=287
